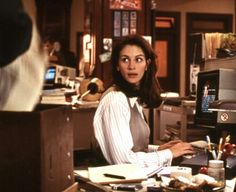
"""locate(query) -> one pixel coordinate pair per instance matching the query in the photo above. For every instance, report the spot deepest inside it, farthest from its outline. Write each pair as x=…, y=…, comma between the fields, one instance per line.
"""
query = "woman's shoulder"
x=113, y=97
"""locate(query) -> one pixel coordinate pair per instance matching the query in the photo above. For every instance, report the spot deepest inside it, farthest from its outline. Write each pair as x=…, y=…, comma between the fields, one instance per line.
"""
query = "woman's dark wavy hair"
x=149, y=89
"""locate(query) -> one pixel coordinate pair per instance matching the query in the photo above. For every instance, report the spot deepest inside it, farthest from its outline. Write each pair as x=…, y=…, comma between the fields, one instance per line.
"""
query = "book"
x=131, y=173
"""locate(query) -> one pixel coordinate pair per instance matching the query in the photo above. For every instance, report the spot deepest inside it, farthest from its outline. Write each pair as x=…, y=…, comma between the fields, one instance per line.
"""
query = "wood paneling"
x=53, y=20
x=102, y=27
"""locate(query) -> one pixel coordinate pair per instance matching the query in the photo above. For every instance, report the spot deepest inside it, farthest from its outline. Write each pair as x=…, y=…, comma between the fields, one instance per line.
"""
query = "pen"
x=213, y=152
x=127, y=187
x=208, y=142
x=220, y=144
x=219, y=155
x=220, y=149
x=227, y=139
x=113, y=176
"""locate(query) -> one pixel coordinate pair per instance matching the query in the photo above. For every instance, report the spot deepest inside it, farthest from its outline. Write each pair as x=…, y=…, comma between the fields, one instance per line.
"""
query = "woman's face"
x=132, y=64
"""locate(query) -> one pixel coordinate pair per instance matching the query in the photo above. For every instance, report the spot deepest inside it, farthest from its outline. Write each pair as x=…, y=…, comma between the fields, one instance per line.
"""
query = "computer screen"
x=208, y=95
x=50, y=75
x=207, y=92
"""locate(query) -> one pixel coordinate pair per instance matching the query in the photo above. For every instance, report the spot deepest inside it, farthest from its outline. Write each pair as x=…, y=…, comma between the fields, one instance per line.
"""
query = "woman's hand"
x=181, y=148
x=168, y=144
x=178, y=148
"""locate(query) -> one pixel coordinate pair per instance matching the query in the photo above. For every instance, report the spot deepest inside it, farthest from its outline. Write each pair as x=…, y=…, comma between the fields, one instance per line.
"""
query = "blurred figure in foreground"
x=22, y=60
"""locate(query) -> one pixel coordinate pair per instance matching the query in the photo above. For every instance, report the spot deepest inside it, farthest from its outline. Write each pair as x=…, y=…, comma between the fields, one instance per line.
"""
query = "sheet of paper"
x=131, y=172
x=151, y=170
x=82, y=173
x=230, y=185
x=166, y=171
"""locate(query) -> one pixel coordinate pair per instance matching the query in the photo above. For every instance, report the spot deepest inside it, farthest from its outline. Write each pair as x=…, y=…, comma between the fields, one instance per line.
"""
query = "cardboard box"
x=36, y=149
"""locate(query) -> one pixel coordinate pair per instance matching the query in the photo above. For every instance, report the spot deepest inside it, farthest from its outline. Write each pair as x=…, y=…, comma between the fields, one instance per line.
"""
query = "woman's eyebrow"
x=139, y=55
x=124, y=55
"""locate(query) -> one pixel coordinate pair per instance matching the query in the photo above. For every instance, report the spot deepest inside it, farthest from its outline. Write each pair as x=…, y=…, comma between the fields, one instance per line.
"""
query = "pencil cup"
x=217, y=171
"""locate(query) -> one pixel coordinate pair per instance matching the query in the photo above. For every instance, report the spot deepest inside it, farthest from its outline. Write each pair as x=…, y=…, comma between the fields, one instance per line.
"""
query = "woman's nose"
x=131, y=65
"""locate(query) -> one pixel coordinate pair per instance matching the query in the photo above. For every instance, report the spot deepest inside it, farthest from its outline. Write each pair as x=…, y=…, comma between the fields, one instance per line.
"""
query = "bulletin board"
x=125, y=23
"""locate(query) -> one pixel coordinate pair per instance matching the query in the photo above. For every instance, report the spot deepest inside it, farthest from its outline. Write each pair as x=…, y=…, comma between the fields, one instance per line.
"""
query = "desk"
x=83, y=127
x=82, y=175
x=82, y=120
x=201, y=160
x=86, y=186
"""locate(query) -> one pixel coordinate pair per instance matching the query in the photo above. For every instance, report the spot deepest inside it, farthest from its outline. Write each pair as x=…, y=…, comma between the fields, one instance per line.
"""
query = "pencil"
x=113, y=176
x=220, y=144
x=227, y=139
x=208, y=143
x=213, y=152
x=220, y=149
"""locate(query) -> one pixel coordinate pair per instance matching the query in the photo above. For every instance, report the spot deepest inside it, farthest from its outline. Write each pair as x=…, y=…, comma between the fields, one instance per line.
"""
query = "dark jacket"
x=15, y=31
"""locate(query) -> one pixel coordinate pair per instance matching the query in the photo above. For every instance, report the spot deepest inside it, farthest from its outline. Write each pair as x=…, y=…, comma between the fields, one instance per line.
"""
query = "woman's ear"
x=117, y=68
x=148, y=63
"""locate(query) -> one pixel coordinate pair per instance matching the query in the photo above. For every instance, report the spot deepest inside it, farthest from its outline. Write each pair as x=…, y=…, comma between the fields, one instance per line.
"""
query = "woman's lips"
x=132, y=75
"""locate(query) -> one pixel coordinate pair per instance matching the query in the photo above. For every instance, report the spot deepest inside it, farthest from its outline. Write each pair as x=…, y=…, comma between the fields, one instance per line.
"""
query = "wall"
x=77, y=21
x=183, y=6
x=200, y=6
x=102, y=27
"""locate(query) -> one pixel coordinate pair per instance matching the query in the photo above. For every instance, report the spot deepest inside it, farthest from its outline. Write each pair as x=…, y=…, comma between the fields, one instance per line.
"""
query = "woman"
x=119, y=125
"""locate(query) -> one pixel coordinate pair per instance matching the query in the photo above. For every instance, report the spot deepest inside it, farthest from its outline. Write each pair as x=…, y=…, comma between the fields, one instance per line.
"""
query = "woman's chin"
x=133, y=82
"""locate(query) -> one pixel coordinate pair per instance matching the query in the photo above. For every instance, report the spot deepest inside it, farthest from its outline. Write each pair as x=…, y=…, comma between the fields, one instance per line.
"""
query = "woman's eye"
x=139, y=60
x=128, y=60
x=125, y=60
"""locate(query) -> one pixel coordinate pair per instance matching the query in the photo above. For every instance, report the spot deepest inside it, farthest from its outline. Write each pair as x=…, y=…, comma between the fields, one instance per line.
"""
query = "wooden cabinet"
x=171, y=115
x=36, y=149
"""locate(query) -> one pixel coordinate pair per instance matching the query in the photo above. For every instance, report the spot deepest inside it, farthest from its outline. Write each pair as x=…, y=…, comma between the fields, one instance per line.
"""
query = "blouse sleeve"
x=114, y=135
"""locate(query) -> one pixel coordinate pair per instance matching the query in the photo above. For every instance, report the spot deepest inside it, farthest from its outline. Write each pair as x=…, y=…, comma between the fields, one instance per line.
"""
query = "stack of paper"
x=54, y=96
x=129, y=172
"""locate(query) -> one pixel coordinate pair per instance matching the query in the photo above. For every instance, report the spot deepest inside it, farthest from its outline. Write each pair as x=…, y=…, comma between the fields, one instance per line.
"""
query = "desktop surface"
x=201, y=159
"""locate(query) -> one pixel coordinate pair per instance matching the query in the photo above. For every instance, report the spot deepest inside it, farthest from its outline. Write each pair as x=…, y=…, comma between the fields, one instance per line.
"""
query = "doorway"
x=166, y=42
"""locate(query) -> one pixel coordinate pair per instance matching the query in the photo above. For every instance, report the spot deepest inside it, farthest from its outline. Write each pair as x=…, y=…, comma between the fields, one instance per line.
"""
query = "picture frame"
x=133, y=22
x=117, y=24
x=125, y=23
x=125, y=4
